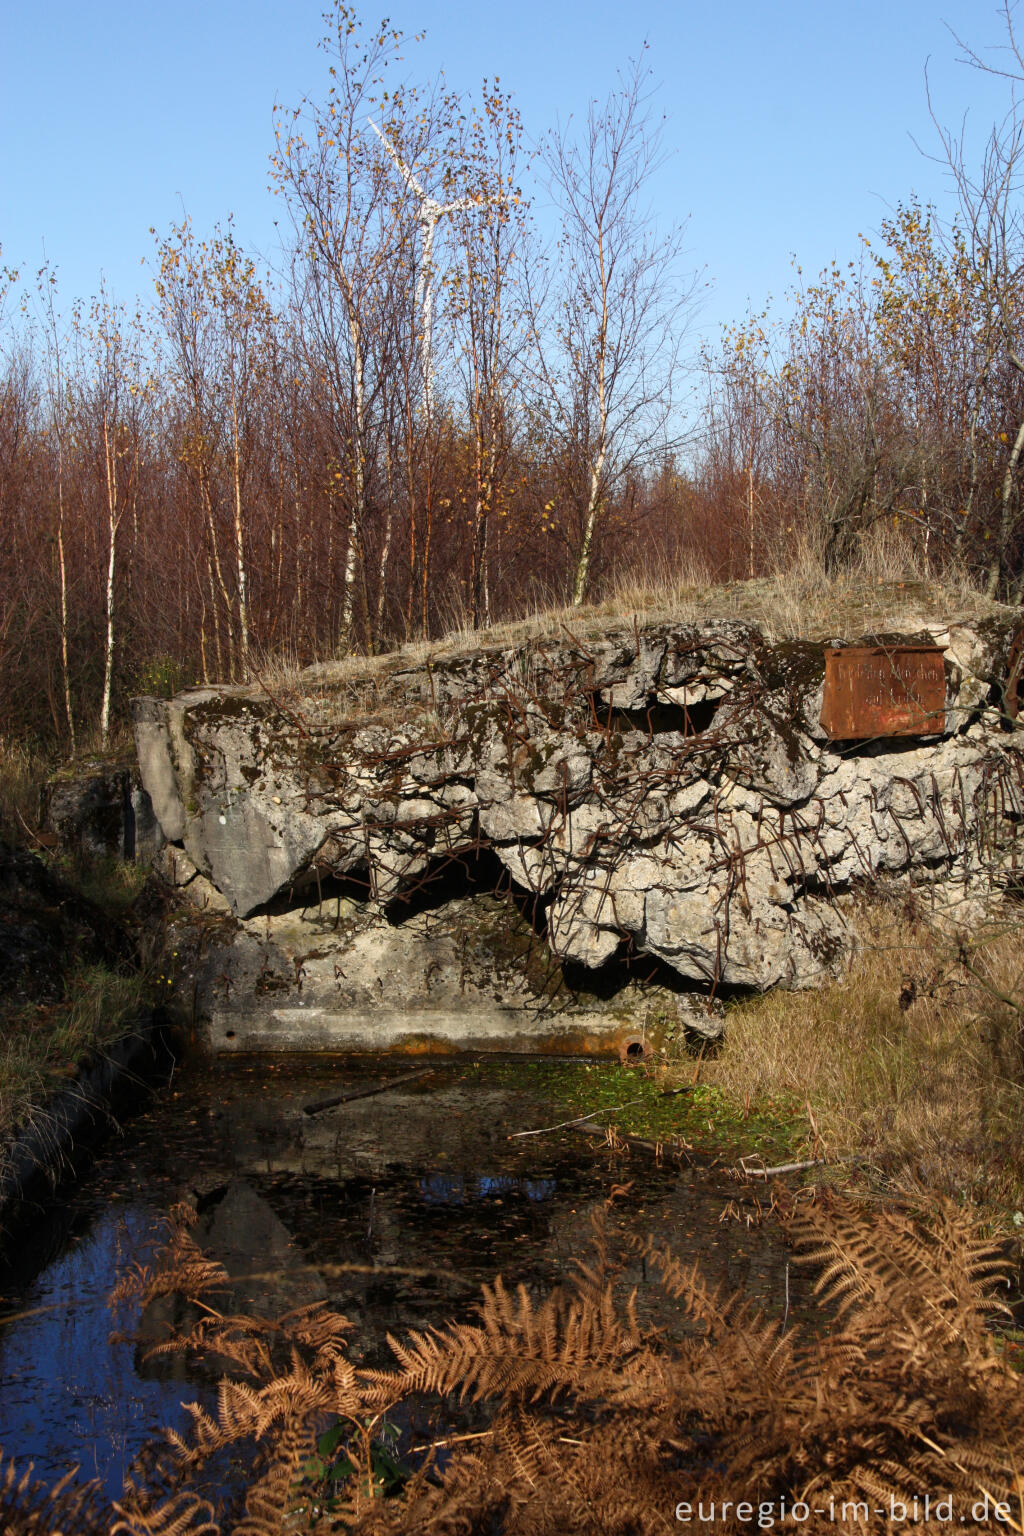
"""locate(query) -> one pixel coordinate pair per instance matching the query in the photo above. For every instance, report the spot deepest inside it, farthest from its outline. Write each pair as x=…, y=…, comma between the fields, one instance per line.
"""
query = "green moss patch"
x=639, y=1102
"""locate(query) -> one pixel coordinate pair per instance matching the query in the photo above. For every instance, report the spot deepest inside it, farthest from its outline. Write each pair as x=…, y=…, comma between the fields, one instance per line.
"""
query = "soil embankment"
x=78, y=1047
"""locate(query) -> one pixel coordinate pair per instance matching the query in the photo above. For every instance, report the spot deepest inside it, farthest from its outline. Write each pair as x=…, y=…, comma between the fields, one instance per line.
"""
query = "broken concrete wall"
x=101, y=811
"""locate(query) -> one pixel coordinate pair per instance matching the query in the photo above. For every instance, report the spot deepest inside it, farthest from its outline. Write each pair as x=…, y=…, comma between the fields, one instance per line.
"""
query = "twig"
x=580, y=1119
x=990, y=986
x=480, y=1434
x=812, y=1162
x=366, y=1093
x=42, y=839
x=657, y=1147
x=991, y=1498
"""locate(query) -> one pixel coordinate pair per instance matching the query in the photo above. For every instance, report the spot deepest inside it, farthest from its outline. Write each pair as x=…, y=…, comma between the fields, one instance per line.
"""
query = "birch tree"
x=609, y=335
x=220, y=322
x=992, y=217
x=489, y=315
x=188, y=323
x=111, y=411
x=57, y=401
x=337, y=181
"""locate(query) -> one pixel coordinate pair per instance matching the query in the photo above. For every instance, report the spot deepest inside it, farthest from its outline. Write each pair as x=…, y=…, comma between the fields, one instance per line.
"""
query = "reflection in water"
x=71, y=1394
x=242, y=1232
x=393, y=1209
x=456, y=1188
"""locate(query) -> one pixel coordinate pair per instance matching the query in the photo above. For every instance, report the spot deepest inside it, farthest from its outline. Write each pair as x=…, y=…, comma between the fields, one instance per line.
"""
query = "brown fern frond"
x=316, y=1327
x=348, y=1389
x=241, y=1411
x=180, y=1268
x=601, y=1427
x=590, y=1276
x=182, y=1514
x=471, y=1498
x=702, y=1304
x=883, y=1265
x=739, y=1340
x=271, y=1500
x=255, y=1345
x=517, y=1350
x=34, y=1508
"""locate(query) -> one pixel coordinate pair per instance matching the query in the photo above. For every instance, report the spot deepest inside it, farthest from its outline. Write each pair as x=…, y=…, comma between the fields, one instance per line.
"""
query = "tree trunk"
x=240, y=571
x=997, y=565
x=62, y=565
x=579, y=585
x=356, y=518
x=110, y=465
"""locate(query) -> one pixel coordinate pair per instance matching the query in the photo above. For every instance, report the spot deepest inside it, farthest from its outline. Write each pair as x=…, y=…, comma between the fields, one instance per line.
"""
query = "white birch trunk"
x=359, y=477
x=579, y=585
x=597, y=464
x=385, y=553
x=65, y=671
x=425, y=305
x=1006, y=518
x=240, y=571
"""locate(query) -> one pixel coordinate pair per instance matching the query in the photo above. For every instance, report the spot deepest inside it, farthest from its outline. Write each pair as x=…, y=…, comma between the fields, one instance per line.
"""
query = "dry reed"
x=913, y=1062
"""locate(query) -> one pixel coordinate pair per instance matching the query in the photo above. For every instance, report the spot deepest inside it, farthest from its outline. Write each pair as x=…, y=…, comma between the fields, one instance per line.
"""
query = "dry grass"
x=888, y=590
x=42, y=1044
x=26, y=766
x=914, y=1062
x=41, y=1047
x=108, y=882
x=22, y=772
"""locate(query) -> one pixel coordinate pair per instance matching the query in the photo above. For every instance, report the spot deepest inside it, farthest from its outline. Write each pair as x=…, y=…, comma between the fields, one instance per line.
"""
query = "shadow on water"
x=394, y=1208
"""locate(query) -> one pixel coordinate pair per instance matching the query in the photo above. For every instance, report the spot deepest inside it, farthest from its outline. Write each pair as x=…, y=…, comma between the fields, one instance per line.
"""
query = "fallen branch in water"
x=366, y=1093
x=571, y=1124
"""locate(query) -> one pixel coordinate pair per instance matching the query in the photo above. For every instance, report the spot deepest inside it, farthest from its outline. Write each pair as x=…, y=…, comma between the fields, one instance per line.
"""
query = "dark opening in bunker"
x=658, y=717
x=625, y=968
x=320, y=892
x=470, y=872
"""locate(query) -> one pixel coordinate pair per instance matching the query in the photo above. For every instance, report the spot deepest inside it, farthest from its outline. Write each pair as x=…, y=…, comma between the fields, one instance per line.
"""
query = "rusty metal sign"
x=881, y=690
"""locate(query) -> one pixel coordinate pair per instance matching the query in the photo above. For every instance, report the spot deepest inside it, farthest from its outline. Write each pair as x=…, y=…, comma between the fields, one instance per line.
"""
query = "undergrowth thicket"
x=70, y=976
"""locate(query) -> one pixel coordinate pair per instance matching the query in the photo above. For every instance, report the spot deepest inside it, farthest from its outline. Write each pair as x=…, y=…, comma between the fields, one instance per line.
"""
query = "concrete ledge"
x=418, y=1032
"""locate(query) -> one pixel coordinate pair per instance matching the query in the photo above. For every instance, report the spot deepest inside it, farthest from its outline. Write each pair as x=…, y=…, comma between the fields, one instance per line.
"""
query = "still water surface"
x=393, y=1208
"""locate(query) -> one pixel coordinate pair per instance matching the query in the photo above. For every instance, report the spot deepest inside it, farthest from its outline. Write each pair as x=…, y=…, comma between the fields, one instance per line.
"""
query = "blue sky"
x=789, y=126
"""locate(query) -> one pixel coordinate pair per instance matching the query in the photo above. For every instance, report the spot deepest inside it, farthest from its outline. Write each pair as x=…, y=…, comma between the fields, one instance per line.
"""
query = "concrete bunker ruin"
x=683, y=805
